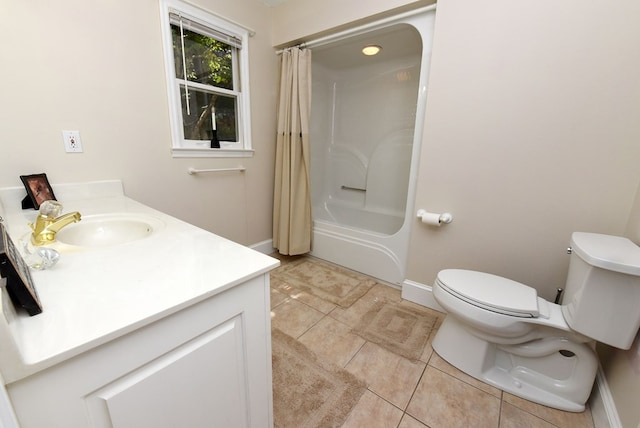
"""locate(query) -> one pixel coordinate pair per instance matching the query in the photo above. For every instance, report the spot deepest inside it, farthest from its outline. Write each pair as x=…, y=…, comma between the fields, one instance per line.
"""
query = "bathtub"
x=360, y=239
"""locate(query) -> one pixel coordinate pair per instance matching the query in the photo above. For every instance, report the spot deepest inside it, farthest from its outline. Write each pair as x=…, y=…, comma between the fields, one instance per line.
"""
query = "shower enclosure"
x=367, y=117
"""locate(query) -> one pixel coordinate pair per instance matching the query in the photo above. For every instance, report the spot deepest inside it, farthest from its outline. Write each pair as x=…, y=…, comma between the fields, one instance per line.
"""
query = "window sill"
x=211, y=153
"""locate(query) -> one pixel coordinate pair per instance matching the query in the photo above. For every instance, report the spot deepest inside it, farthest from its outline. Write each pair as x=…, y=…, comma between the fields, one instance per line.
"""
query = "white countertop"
x=97, y=294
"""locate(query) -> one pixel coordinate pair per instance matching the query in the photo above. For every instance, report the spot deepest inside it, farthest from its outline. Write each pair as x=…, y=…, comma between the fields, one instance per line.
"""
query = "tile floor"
x=401, y=393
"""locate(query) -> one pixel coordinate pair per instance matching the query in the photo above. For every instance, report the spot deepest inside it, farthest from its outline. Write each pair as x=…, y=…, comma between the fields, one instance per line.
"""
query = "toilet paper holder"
x=434, y=219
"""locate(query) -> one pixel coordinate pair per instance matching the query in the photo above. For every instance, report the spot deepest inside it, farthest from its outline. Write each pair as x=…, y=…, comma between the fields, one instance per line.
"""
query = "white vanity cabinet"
x=168, y=330
x=208, y=365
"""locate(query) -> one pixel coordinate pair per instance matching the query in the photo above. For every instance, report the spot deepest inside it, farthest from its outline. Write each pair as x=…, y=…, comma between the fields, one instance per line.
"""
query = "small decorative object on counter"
x=38, y=190
x=42, y=258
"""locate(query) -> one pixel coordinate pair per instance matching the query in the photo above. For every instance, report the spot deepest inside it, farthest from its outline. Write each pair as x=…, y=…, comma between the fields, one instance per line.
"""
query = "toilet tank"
x=602, y=294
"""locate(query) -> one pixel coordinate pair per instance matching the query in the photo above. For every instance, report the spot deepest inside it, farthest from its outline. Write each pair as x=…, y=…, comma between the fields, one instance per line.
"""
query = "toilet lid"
x=491, y=292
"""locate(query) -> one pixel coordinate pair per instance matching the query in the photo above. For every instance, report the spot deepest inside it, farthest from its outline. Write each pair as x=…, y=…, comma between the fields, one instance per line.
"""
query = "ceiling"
x=397, y=41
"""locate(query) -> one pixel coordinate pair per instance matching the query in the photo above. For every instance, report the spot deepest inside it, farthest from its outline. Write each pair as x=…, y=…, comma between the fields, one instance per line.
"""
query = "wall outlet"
x=72, y=143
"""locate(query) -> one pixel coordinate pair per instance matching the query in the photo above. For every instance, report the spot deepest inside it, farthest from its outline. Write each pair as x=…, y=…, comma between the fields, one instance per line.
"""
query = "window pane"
x=198, y=125
x=208, y=60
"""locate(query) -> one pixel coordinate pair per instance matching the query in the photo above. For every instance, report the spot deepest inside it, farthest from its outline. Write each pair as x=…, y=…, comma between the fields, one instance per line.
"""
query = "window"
x=206, y=63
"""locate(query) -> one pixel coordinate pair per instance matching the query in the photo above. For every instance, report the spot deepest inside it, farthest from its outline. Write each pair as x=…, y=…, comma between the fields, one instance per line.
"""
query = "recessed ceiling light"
x=371, y=49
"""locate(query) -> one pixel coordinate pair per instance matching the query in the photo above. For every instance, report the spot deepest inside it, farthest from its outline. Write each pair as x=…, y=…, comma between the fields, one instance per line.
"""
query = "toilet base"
x=552, y=371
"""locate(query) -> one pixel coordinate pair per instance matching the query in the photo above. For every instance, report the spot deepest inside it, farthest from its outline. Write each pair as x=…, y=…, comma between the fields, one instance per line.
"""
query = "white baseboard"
x=603, y=408
x=421, y=294
x=265, y=247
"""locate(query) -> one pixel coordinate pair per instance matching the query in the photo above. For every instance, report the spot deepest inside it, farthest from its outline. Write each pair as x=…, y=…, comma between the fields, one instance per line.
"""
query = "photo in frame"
x=15, y=271
x=38, y=190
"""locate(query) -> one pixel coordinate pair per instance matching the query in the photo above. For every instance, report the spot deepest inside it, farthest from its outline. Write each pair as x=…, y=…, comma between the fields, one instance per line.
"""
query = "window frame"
x=180, y=146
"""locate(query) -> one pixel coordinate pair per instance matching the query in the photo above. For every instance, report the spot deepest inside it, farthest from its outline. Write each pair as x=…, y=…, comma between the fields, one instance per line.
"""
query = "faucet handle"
x=51, y=208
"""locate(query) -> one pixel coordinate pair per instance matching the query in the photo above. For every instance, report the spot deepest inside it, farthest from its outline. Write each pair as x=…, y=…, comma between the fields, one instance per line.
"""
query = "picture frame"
x=38, y=190
x=15, y=271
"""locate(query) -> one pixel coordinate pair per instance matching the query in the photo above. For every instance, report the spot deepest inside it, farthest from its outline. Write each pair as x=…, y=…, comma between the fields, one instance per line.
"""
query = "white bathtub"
x=343, y=214
x=361, y=240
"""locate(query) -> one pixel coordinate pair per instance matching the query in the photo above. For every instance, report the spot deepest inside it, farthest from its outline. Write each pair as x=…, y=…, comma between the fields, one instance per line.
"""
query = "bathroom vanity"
x=164, y=328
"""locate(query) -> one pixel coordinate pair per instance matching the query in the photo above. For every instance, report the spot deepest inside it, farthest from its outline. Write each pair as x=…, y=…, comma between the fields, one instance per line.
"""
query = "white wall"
x=98, y=67
x=531, y=133
x=297, y=20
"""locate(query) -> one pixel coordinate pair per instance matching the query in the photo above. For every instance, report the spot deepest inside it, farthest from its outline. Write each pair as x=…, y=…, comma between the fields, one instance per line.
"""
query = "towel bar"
x=193, y=171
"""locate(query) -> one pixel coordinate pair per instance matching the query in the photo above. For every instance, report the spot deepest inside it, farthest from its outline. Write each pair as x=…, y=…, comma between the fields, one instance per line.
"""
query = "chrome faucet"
x=50, y=222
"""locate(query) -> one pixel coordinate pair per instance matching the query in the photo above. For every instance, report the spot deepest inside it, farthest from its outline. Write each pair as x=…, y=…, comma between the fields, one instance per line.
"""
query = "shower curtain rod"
x=354, y=31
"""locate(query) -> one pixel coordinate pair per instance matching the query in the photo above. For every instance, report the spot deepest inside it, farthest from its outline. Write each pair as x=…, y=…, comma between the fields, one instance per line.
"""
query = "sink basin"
x=107, y=230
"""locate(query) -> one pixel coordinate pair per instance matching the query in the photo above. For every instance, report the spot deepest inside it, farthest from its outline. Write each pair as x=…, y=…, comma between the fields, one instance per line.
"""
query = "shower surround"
x=367, y=119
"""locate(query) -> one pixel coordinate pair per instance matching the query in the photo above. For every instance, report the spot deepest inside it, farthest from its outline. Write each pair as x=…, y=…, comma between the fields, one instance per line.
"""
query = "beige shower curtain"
x=292, y=193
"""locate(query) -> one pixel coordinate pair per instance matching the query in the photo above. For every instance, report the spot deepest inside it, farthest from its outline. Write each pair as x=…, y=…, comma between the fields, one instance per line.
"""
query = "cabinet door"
x=201, y=383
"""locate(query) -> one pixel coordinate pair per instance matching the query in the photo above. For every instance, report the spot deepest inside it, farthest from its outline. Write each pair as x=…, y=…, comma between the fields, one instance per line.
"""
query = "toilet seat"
x=491, y=292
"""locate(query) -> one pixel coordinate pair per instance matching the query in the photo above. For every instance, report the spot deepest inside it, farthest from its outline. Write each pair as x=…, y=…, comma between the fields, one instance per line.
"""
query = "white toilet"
x=501, y=332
